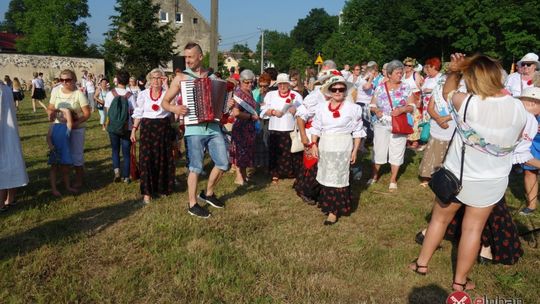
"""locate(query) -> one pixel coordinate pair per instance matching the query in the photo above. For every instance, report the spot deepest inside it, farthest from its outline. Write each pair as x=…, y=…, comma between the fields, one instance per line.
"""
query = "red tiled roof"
x=7, y=41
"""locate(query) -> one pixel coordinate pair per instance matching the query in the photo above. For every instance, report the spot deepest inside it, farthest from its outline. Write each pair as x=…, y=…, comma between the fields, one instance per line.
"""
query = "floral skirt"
x=156, y=162
x=335, y=200
x=500, y=233
x=433, y=157
x=306, y=185
x=283, y=163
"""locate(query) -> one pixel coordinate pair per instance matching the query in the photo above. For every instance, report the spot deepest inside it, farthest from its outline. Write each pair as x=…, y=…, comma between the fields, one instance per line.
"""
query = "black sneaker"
x=199, y=211
x=212, y=200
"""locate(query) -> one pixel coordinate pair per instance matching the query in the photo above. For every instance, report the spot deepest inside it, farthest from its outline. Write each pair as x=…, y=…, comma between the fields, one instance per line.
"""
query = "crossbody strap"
x=389, y=97
x=463, y=144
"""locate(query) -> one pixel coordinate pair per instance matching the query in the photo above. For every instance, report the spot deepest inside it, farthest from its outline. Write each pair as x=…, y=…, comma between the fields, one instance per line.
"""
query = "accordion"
x=205, y=99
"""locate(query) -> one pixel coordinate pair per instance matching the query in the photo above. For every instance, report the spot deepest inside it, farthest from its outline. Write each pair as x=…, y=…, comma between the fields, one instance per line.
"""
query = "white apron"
x=334, y=160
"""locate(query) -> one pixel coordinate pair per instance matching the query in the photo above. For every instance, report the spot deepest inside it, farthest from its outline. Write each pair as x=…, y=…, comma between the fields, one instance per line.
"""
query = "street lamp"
x=262, y=48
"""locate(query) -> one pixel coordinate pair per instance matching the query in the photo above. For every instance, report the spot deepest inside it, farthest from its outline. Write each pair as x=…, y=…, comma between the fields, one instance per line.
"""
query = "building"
x=7, y=42
x=190, y=23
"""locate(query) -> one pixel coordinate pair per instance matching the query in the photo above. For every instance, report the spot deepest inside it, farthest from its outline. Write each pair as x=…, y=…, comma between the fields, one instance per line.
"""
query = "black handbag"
x=444, y=183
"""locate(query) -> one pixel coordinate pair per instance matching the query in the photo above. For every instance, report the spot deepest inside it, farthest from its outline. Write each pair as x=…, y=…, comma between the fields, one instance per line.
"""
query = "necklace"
x=155, y=106
x=335, y=112
x=285, y=95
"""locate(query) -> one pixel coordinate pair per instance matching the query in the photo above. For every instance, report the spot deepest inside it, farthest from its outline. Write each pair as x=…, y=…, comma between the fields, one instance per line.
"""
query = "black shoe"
x=329, y=223
x=419, y=238
x=199, y=211
x=484, y=261
x=212, y=200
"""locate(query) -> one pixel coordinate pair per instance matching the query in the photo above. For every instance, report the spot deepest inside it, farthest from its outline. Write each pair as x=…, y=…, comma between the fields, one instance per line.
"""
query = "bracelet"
x=135, y=127
x=312, y=144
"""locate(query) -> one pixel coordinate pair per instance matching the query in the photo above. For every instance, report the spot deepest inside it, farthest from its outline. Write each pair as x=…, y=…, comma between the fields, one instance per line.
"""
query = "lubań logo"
x=458, y=297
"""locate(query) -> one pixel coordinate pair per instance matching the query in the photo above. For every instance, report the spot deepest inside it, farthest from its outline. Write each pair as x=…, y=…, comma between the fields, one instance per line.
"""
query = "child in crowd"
x=531, y=101
x=58, y=140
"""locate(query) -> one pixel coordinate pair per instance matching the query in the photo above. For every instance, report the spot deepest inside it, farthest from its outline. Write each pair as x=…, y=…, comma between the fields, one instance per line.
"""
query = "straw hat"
x=333, y=80
x=531, y=93
x=282, y=78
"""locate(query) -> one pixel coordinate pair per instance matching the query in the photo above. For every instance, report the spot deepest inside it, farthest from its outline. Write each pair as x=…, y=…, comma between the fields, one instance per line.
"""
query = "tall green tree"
x=50, y=27
x=311, y=32
x=15, y=9
x=300, y=59
x=137, y=40
x=277, y=49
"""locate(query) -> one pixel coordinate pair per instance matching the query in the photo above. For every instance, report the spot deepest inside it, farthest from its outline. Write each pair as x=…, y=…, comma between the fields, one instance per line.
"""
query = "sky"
x=239, y=20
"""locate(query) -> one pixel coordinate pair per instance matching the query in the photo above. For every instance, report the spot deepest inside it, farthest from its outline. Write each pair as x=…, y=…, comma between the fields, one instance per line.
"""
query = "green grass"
x=266, y=246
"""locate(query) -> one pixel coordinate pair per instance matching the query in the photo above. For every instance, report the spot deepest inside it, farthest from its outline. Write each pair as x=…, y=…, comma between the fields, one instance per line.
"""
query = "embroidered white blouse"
x=273, y=101
x=144, y=109
x=348, y=122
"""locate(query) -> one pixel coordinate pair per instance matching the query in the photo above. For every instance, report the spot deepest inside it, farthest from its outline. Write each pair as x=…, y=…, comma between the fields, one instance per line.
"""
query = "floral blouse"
x=399, y=99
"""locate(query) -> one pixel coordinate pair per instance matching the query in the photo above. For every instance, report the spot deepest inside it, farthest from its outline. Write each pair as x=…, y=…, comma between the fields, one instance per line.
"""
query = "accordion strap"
x=463, y=144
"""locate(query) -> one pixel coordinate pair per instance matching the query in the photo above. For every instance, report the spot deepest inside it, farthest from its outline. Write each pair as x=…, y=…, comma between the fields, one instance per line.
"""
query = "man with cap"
x=517, y=82
x=280, y=107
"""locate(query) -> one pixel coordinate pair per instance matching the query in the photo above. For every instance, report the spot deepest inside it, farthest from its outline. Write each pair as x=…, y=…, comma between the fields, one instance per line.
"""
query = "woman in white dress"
x=494, y=123
x=12, y=166
x=336, y=133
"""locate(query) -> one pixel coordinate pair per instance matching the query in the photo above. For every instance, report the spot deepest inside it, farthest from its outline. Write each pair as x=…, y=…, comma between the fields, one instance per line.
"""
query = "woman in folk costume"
x=243, y=132
x=280, y=106
x=306, y=185
x=336, y=133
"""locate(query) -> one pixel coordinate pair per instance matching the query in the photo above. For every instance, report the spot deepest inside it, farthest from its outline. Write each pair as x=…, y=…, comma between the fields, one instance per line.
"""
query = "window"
x=195, y=20
x=178, y=18
x=163, y=16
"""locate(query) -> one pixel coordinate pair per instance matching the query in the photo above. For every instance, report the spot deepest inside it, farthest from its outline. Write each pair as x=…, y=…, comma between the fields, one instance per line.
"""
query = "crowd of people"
x=314, y=128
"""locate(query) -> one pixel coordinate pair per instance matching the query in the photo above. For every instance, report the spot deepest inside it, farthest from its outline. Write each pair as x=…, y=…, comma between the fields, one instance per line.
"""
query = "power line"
x=237, y=36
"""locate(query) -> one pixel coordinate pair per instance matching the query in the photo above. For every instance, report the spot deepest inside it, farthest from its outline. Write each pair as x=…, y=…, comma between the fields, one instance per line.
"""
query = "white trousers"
x=388, y=147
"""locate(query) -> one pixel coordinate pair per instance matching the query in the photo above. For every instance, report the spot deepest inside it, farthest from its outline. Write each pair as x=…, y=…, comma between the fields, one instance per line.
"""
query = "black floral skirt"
x=335, y=200
x=283, y=163
x=156, y=162
x=500, y=233
x=306, y=185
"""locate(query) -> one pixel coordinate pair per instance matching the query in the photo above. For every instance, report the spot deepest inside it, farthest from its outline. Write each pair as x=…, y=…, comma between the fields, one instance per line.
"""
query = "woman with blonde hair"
x=18, y=95
x=69, y=97
x=489, y=124
x=415, y=82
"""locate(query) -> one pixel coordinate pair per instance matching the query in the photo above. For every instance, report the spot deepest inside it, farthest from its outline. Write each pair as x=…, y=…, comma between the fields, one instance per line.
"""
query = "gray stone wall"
x=23, y=66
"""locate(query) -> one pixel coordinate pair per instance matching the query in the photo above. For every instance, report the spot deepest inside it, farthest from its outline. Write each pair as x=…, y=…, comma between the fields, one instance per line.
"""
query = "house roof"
x=7, y=41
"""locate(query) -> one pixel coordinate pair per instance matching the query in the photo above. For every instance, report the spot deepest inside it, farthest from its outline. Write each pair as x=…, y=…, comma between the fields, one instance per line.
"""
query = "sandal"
x=275, y=180
x=468, y=285
x=416, y=268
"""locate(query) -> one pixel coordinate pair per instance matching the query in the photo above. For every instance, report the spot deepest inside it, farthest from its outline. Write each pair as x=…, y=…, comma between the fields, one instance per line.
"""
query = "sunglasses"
x=65, y=80
x=528, y=64
x=247, y=81
x=409, y=65
x=340, y=90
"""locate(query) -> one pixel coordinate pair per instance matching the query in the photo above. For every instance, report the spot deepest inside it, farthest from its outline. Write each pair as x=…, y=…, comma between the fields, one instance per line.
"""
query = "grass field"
x=266, y=246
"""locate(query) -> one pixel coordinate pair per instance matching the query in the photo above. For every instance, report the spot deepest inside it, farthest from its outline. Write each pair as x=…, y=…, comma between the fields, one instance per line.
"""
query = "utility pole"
x=262, y=50
x=214, y=35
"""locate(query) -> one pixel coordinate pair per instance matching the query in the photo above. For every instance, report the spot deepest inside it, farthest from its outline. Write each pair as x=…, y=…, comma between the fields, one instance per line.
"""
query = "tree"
x=49, y=27
x=350, y=47
x=15, y=9
x=311, y=32
x=137, y=41
x=241, y=49
x=300, y=59
x=277, y=49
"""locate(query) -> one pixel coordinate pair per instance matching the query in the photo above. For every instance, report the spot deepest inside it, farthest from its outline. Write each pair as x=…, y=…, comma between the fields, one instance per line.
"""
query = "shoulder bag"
x=400, y=124
x=444, y=183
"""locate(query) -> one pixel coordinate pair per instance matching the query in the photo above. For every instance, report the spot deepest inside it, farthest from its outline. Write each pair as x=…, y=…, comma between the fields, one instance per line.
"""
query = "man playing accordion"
x=198, y=137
